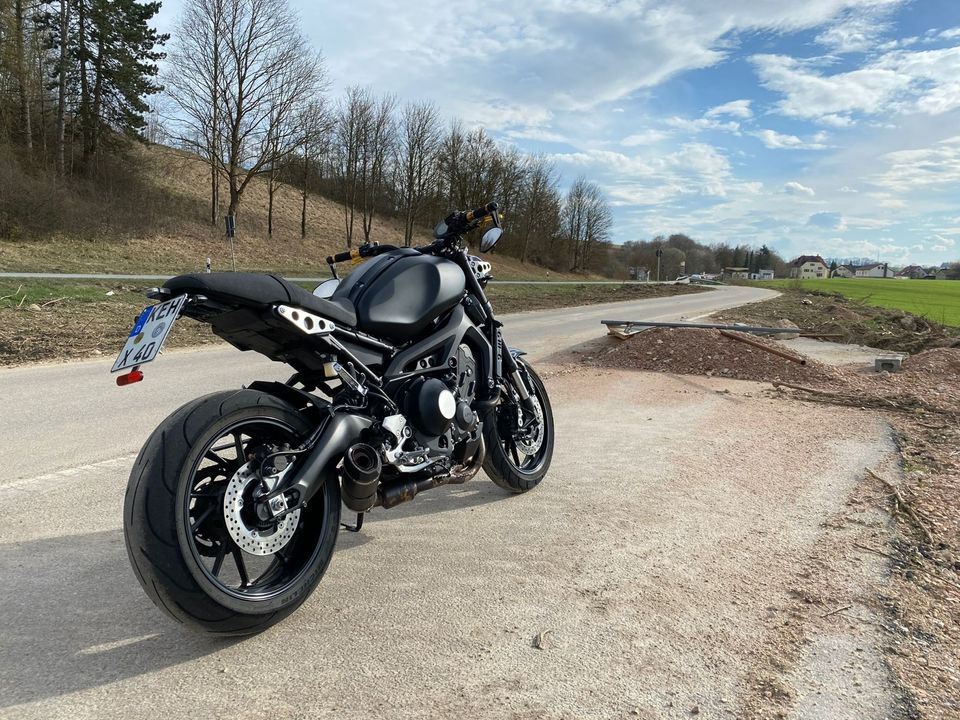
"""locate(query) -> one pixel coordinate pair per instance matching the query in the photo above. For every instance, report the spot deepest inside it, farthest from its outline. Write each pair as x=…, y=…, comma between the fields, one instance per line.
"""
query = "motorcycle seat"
x=261, y=289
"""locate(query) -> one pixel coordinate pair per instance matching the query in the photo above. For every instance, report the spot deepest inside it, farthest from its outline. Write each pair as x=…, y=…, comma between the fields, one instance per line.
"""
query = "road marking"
x=51, y=481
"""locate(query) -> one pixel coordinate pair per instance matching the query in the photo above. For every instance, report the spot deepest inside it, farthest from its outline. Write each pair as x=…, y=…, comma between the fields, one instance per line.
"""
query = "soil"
x=851, y=321
x=691, y=351
x=920, y=604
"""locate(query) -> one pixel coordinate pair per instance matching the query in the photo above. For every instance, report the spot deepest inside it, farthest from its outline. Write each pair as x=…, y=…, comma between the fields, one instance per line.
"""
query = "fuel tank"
x=400, y=293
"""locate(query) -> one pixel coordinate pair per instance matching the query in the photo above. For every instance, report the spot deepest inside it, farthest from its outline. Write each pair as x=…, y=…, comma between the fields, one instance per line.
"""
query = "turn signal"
x=134, y=376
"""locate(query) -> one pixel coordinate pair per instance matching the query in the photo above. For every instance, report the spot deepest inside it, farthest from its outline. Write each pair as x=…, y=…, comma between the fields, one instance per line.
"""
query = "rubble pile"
x=688, y=351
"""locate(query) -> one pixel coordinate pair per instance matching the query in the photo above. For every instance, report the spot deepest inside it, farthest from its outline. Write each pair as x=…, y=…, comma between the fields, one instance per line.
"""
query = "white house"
x=736, y=273
x=843, y=271
x=762, y=275
x=809, y=266
x=874, y=270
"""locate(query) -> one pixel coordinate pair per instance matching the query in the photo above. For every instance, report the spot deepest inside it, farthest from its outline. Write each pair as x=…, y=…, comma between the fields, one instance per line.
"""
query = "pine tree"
x=116, y=52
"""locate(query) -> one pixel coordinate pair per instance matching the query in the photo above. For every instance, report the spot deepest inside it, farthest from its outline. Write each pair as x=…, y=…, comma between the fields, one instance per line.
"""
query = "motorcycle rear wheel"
x=176, y=516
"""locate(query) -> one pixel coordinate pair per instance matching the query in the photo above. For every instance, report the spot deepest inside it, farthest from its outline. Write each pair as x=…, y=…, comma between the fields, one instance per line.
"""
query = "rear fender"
x=307, y=404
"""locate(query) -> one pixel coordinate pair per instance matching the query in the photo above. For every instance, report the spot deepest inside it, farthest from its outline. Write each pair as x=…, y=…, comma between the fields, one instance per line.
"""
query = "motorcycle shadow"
x=75, y=618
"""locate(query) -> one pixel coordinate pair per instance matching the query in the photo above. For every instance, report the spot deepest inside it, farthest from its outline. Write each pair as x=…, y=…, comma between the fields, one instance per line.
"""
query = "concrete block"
x=888, y=364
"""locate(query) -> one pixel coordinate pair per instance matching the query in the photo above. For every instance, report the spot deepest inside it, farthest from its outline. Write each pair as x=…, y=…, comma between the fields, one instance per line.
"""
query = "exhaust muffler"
x=361, y=477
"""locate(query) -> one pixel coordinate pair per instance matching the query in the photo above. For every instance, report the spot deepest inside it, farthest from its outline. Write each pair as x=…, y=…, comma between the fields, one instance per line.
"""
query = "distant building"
x=874, y=270
x=762, y=275
x=913, y=272
x=843, y=271
x=809, y=266
x=736, y=273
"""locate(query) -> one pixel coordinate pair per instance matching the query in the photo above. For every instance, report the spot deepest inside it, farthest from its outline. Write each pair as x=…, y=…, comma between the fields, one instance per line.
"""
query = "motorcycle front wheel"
x=518, y=452
x=193, y=537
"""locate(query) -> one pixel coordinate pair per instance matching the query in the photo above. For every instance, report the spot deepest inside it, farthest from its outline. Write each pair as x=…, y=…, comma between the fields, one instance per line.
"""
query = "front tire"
x=175, y=525
x=516, y=462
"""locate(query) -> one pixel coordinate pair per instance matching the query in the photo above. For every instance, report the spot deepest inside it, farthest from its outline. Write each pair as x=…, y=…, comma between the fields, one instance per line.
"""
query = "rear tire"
x=160, y=520
x=505, y=463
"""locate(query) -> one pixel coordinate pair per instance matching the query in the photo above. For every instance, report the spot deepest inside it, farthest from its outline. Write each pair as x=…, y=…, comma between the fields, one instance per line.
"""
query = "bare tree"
x=376, y=150
x=63, y=69
x=418, y=145
x=20, y=12
x=587, y=220
x=539, y=205
x=239, y=72
x=315, y=125
x=194, y=83
x=353, y=117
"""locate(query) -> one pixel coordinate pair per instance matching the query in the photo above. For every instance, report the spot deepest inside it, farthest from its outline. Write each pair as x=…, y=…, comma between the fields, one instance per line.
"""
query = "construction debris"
x=766, y=348
x=696, y=351
x=628, y=328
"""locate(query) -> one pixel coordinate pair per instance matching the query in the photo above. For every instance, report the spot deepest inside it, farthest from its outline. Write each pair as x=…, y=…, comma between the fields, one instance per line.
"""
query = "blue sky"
x=814, y=126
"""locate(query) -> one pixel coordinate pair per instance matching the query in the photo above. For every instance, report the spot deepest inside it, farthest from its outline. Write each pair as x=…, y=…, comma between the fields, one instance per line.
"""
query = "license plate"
x=149, y=331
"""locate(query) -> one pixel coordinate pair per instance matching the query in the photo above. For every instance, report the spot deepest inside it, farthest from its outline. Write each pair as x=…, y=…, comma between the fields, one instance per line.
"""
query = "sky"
x=825, y=127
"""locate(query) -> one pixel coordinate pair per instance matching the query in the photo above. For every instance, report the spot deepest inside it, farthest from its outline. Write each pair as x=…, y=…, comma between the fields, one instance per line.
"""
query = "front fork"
x=511, y=370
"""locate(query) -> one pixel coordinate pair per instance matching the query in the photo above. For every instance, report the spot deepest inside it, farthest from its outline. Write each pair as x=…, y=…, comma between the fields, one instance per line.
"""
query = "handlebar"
x=343, y=256
x=481, y=212
x=364, y=251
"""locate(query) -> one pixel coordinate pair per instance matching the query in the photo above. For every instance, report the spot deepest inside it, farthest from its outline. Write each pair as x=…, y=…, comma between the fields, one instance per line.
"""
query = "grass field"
x=937, y=300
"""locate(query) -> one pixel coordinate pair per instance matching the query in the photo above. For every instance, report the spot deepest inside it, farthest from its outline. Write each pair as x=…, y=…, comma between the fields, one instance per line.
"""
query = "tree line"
x=244, y=90
x=680, y=254
x=251, y=99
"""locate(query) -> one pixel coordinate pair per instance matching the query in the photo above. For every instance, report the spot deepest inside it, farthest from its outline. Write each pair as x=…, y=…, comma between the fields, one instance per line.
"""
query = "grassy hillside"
x=149, y=214
x=937, y=300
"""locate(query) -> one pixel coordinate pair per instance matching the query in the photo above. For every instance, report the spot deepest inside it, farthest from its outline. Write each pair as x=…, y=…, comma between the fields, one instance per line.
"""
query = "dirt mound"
x=938, y=361
x=687, y=351
x=846, y=320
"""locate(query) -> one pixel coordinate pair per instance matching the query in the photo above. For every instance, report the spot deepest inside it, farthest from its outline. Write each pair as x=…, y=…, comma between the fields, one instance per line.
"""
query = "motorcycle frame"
x=472, y=321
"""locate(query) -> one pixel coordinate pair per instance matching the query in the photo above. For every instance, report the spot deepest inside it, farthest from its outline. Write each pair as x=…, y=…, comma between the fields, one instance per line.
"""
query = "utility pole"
x=659, y=254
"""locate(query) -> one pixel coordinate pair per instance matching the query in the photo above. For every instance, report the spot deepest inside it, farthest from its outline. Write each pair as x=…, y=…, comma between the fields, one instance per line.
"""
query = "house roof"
x=736, y=269
x=804, y=259
x=871, y=266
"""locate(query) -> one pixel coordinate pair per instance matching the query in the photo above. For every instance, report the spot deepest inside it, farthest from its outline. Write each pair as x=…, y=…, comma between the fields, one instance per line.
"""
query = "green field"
x=937, y=300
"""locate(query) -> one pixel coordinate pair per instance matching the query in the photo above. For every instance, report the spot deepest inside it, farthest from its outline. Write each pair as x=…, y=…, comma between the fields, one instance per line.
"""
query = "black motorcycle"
x=402, y=383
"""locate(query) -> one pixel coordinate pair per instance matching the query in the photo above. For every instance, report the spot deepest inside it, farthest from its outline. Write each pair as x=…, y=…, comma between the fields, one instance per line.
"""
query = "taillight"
x=134, y=376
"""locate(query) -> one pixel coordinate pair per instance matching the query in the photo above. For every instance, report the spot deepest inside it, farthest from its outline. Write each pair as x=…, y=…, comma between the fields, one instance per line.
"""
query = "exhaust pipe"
x=397, y=493
x=361, y=477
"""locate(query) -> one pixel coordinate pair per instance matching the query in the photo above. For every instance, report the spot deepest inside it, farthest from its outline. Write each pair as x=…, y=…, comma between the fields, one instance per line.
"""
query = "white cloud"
x=734, y=108
x=935, y=167
x=836, y=120
x=795, y=188
x=926, y=81
x=779, y=141
x=647, y=137
x=537, y=134
x=947, y=242
x=857, y=29
x=693, y=169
